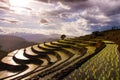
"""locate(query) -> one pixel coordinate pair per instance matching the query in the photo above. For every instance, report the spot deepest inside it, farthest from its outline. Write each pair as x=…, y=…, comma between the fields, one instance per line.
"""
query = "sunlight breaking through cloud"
x=78, y=17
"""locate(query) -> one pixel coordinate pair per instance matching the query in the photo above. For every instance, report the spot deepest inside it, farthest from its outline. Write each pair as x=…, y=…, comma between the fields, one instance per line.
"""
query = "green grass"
x=103, y=66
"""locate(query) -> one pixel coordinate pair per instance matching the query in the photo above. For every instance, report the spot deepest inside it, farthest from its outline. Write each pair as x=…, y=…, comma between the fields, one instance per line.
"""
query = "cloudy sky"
x=71, y=17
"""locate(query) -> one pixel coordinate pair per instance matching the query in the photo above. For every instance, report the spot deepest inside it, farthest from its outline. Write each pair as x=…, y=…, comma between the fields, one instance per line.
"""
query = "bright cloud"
x=58, y=16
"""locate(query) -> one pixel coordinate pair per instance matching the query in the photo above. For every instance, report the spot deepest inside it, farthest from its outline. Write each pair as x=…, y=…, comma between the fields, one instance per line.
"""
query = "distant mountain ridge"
x=21, y=40
x=39, y=38
x=10, y=43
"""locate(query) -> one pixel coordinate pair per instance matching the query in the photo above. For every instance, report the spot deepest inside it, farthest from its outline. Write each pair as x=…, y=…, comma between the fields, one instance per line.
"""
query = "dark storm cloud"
x=108, y=7
x=99, y=14
x=4, y=1
x=43, y=21
x=73, y=0
x=61, y=0
x=74, y=4
x=42, y=0
x=4, y=8
x=78, y=5
x=114, y=11
x=108, y=10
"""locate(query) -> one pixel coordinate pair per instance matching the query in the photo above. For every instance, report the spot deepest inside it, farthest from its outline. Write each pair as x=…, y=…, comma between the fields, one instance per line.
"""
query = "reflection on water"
x=6, y=73
x=9, y=60
x=20, y=55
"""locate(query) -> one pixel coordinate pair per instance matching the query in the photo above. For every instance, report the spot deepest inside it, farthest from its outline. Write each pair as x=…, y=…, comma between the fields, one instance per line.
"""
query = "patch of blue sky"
x=71, y=19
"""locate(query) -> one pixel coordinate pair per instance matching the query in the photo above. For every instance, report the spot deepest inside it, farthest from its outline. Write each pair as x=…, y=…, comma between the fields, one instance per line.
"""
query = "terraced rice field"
x=103, y=66
x=55, y=60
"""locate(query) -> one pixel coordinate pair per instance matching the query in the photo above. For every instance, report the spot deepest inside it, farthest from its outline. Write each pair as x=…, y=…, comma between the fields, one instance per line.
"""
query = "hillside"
x=89, y=57
x=103, y=66
x=10, y=43
x=39, y=38
x=112, y=35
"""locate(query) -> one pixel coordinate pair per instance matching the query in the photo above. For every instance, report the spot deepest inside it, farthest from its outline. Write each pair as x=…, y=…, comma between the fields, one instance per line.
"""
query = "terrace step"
x=4, y=74
x=21, y=59
x=64, y=58
x=20, y=55
x=61, y=45
x=62, y=67
x=63, y=55
x=29, y=70
x=53, y=57
x=44, y=47
x=9, y=64
x=37, y=49
x=40, y=60
x=62, y=61
x=12, y=53
x=51, y=45
x=66, y=42
x=106, y=61
x=41, y=53
x=30, y=52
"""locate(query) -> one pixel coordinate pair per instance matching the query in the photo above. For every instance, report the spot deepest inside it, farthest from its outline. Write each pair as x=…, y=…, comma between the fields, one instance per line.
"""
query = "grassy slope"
x=103, y=66
x=112, y=35
x=108, y=60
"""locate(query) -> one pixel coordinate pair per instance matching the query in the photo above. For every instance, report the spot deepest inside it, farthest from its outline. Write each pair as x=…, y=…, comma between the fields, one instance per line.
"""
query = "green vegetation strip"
x=103, y=66
x=76, y=64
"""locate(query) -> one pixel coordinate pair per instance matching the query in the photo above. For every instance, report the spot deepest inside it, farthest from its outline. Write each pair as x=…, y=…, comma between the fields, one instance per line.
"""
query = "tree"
x=63, y=36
